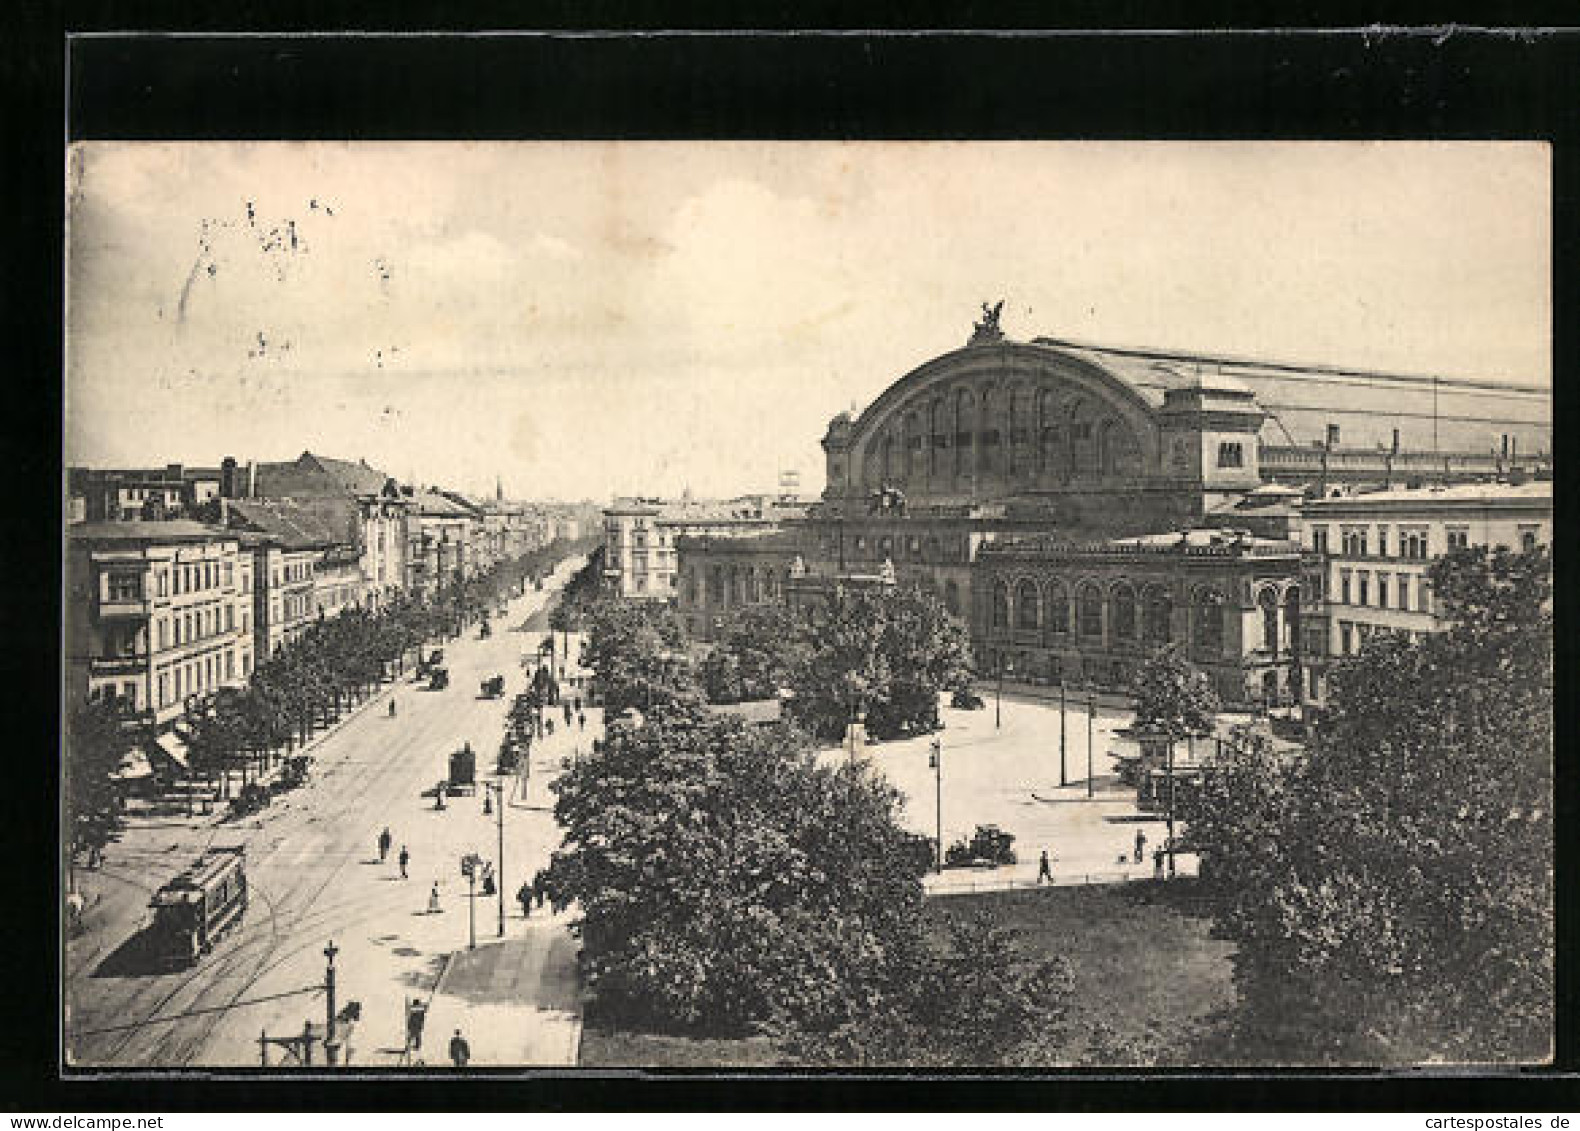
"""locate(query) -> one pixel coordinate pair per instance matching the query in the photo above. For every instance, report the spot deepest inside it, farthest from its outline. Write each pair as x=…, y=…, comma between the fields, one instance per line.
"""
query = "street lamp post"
x=1005, y=667
x=938, y=786
x=1091, y=718
x=471, y=907
x=1063, y=776
x=331, y=1045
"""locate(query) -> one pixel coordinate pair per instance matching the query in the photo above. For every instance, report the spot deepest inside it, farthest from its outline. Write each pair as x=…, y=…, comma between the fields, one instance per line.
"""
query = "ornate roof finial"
x=987, y=331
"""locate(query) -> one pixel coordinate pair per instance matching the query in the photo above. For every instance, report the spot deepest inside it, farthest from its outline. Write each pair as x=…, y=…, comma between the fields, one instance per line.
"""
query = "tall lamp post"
x=1005, y=667
x=937, y=760
x=1063, y=776
x=331, y=1045
x=1091, y=718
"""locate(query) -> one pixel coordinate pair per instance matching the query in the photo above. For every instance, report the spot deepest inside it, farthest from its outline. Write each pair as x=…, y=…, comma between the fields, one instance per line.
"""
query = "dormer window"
x=1231, y=455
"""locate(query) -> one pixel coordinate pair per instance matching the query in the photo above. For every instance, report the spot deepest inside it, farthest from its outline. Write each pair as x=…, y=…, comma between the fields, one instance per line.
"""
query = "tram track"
x=358, y=790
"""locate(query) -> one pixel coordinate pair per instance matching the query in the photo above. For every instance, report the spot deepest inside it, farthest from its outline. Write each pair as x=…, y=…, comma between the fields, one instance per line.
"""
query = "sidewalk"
x=517, y=1001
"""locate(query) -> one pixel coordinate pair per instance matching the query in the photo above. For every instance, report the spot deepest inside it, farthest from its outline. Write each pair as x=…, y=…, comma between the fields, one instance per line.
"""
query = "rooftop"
x=1537, y=491
x=1198, y=541
x=294, y=526
x=138, y=530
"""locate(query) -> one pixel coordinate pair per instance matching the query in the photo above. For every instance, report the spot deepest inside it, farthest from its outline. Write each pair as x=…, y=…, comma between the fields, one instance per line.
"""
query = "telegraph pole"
x=501, y=883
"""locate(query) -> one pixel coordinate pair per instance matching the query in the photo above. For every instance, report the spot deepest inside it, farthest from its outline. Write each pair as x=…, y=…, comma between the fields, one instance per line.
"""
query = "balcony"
x=117, y=665
x=122, y=607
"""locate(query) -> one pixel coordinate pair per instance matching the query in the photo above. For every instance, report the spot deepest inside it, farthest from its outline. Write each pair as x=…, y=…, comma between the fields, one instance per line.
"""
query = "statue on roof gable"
x=987, y=330
x=887, y=572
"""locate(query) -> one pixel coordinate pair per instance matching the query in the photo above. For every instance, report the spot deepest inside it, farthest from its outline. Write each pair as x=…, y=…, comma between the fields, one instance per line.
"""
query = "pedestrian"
x=578, y=704
x=404, y=858
x=433, y=900
x=1044, y=869
x=438, y=795
x=392, y=708
x=581, y=721
x=569, y=714
x=524, y=897
x=540, y=888
x=416, y=1014
x=1157, y=864
x=1141, y=845
x=384, y=844
x=460, y=1051
x=548, y=726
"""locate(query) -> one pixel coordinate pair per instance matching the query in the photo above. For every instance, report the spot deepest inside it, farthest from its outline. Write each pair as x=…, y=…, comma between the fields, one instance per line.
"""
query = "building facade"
x=156, y=613
x=641, y=536
x=1074, y=452
x=1375, y=549
x=364, y=508
x=1057, y=613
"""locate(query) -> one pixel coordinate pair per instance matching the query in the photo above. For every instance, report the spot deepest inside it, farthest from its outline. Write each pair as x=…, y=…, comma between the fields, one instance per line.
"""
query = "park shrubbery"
x=1391, y=890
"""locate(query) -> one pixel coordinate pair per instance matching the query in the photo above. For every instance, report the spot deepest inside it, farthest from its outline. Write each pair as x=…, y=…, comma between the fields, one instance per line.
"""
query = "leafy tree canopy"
x=1391, y=888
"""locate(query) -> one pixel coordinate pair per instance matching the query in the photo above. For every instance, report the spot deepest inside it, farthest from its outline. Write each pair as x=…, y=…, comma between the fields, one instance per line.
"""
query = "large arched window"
x=1089, y=612
x=716, y=586
x=1058, y=607
x=1267, y=605
x=735, y=586
x=965, y=432
x=1157, y=611
x=887, y=462
x=1045, y=431
x=988, y=433
x=937, y=435
x=1208, y=622
x=753, y=593
x=1291, y=626
x=1028, y=606
x=1000, y=605
x=952, y=597
x=1124, y=612
x=691, y=586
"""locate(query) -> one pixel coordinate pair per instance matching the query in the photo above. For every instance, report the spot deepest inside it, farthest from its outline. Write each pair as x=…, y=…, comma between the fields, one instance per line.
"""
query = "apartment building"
x=1375, y=550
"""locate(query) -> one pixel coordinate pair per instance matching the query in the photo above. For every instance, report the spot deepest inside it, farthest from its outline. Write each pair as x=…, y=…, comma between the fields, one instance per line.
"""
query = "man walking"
x=524, y=897
x=404, y=858
x=384, y=844
x=1157, y=864
x=460, y=1051
x=1141, y=845
x=433, y=899
x=1044, y=871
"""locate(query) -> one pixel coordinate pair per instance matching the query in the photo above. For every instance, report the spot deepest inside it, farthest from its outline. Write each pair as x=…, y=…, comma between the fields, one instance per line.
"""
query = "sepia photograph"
x=852, y=605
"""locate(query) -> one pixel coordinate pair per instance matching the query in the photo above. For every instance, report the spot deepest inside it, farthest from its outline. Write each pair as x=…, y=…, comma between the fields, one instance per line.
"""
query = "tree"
x=887, y=652
x=725, y=877
x=1173, y=697
x=1390, y=888
x=98, y=738
x=1176, y=700
x=974, y=1002
x=759, y=651
x=637, y=651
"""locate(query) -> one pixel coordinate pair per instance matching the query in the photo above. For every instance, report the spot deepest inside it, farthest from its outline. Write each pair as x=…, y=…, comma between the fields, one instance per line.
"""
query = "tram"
x=194, y=909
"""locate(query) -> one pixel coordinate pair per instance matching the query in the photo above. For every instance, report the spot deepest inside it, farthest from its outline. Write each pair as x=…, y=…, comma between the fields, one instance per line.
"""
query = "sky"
x=588, y=319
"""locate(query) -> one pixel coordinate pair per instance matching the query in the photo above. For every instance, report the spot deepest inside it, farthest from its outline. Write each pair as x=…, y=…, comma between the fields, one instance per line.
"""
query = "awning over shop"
x=174, y=749
x=134, y=767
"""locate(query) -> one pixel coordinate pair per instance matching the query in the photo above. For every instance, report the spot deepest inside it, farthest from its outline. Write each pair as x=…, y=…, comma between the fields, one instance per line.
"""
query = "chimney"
x=1396, y=441
x=252, y=480
x=227, y=477
x=1505, y=445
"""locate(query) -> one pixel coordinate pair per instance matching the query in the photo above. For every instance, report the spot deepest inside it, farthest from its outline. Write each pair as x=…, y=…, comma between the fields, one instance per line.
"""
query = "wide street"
x=315, y=876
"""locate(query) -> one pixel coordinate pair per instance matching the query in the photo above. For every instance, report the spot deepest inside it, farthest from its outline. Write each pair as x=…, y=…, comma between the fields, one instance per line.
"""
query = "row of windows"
x=1155, y=611
x=1353, y=636
x=1354, y=541
x=183, y=628
x=1410, y=593
x=175, y=684
x=196, y=577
